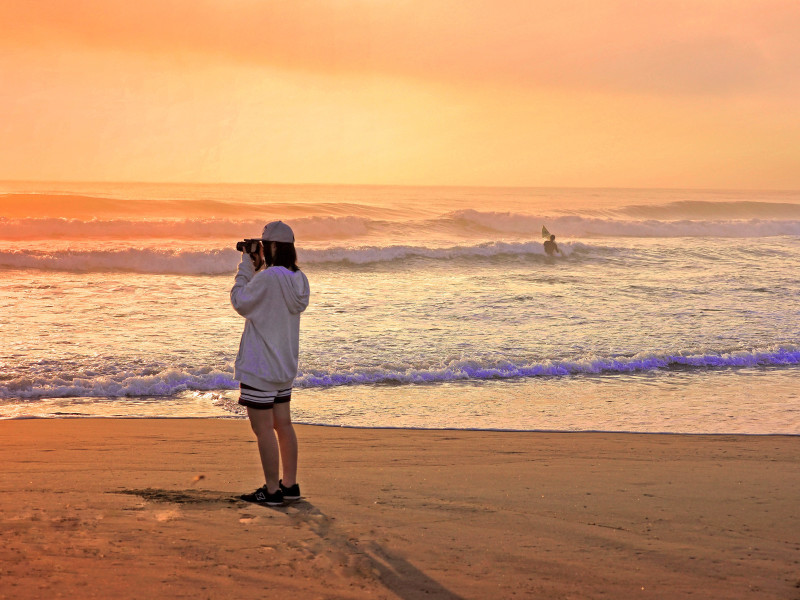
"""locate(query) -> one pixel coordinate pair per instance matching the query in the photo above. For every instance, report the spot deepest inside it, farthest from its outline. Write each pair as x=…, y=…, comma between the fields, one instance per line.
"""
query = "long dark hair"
x=285, y=256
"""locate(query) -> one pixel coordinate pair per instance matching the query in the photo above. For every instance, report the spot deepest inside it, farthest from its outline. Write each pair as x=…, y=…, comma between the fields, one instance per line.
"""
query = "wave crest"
x=221, y=261
x=682, y=219
x=309, y=228
x=697, y=209
x=593, y=227
x=171, y=381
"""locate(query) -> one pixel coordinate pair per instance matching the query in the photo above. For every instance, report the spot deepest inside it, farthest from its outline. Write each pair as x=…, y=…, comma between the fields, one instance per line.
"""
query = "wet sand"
x=113, y=508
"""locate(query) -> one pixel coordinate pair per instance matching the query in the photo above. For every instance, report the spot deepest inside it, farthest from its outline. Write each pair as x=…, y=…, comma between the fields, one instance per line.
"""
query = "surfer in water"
x=550, y=246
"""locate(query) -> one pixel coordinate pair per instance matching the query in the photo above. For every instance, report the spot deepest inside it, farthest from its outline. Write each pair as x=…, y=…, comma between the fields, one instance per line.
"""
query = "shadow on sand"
x=395, y=573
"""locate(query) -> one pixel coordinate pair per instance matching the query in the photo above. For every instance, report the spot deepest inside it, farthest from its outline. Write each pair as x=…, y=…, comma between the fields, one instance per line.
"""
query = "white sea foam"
x=586, y=227
x=218, y=261
x=470, y=369
x=210, y=259
x=167, y=382
x=135, y=260
x=458, y=227
x=377, y=254
x=309, y=228
x=171, y=380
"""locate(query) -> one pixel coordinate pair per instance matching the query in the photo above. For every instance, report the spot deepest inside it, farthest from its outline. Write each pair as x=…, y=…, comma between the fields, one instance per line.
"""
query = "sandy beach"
x=111, y=508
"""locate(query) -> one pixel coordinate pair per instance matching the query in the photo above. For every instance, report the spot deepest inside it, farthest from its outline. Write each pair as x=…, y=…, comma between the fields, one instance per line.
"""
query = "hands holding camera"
x=258, y=258
x=255, y=249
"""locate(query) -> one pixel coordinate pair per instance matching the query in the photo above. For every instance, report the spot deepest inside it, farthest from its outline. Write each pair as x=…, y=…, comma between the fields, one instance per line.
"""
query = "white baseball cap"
x=278, y=231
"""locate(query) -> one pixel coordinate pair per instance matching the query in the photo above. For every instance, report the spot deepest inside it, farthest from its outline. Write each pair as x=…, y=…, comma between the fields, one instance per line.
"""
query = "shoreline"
x=725, y=402
x=405, y=428
x=233, y=417
x=134, y=507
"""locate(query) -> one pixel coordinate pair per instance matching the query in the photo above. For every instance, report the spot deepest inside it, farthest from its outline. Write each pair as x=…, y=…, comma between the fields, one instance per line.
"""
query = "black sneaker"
x=290, y=493
x=262, y=496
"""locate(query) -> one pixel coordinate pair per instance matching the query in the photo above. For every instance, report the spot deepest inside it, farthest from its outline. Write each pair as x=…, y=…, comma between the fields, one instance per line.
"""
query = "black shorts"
x=255, y=398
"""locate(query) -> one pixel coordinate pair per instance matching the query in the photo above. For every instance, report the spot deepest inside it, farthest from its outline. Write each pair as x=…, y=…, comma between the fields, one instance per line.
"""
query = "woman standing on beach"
x=271, y=300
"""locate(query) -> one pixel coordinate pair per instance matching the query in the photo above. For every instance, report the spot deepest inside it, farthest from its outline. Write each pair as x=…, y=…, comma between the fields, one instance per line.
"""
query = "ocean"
x=431, y=307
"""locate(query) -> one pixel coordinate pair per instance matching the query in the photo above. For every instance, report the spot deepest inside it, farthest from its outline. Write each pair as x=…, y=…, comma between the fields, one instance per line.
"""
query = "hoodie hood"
x=294, y=287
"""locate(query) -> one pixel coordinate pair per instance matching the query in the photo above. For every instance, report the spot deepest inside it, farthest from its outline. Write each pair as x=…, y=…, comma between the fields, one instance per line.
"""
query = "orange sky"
x=660, y=93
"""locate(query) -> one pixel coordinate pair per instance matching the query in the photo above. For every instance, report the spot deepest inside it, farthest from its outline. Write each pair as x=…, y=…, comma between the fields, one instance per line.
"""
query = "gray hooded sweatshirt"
x=271, y=301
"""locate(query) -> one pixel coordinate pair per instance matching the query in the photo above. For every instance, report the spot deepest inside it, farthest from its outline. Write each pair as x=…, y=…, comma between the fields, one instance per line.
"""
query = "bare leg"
x=262, y=422
x=288, y=442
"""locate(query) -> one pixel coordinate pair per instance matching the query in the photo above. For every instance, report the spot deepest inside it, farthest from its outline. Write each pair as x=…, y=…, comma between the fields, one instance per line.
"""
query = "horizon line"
x=397, y=185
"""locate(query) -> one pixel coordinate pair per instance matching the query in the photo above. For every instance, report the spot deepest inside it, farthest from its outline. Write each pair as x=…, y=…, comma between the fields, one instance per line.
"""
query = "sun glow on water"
x=445, y=298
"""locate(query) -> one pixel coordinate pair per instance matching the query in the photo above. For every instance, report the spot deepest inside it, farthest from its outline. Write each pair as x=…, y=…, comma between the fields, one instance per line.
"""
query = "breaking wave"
x=588, y=227
x=310, y=228
x=224, y=261
x=171, y=381
x=696, y=209
x=455, y=227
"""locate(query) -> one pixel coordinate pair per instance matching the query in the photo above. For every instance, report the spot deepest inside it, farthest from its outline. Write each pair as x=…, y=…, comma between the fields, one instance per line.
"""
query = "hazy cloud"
x=667, y=46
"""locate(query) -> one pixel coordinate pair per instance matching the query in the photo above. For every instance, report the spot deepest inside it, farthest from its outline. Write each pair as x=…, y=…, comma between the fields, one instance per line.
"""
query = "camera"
x=250, y=245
